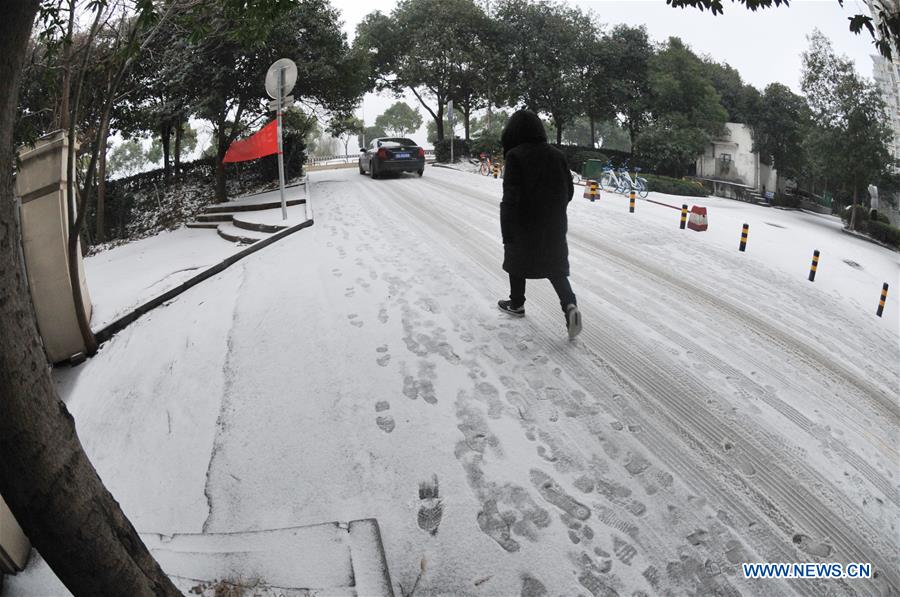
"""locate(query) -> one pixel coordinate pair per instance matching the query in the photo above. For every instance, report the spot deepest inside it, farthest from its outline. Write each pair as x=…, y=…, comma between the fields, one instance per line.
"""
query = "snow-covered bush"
x=674, y=186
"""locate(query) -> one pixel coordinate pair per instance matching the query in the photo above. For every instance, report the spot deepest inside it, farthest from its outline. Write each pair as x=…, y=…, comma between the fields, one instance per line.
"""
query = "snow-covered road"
x=717, y=409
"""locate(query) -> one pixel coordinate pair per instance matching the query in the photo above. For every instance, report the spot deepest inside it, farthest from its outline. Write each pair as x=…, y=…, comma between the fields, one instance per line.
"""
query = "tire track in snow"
x=875, y=478
x=690, y=292
x=587, y=378
x=810, y=355
x=477, y=253
x=707, y=424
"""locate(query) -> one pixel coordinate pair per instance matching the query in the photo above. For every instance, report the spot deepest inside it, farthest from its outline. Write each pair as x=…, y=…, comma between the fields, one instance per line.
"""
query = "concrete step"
x=234, y=234
x=215, y=217
x=345, y=559
x=249, y=205
x=335, y=558
x=209, y=225
x=245, y=223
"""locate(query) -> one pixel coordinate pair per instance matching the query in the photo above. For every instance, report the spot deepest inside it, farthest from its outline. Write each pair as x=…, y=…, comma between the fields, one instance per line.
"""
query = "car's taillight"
x=421, y=153
x=382, y=154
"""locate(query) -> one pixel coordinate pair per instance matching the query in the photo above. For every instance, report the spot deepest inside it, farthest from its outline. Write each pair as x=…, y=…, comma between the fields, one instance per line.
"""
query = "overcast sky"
x=764, y=46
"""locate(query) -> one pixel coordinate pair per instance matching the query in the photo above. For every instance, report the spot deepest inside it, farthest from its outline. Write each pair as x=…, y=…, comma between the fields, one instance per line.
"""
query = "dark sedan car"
x=391, y=154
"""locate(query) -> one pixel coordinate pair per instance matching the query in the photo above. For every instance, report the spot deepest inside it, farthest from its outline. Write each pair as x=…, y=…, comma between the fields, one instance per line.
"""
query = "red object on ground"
x=260, y=144
x=697, y=220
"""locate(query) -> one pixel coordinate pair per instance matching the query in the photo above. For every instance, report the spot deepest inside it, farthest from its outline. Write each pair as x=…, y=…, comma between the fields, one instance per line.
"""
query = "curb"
x=869, y=239
x=256, y=226
x=121, y=323
x=239, y=236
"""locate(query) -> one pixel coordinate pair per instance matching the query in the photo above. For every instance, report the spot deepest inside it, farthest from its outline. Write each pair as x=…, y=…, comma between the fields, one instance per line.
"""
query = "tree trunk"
x=45, y=476
x=100, y=235
x=467, y=118
x=632, y=133
x=593, y=133
x=222, y=147
x=103, y=142
x=165, y=136
x=77, y=216
x=62, y=115
x=559, y=130
x=179, y=131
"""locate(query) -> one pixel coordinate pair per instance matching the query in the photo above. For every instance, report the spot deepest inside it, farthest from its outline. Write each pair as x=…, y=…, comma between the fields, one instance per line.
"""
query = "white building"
x=732, y=167
x=887, y=77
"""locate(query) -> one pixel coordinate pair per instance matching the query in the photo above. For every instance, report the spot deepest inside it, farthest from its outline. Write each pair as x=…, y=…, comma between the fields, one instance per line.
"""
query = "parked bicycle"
x=637, y=183
x=609, y=181
x=487, y=166
x=488, y=163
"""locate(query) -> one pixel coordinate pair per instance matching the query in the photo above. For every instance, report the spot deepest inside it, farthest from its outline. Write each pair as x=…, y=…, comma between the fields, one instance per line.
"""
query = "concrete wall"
x=41, y=188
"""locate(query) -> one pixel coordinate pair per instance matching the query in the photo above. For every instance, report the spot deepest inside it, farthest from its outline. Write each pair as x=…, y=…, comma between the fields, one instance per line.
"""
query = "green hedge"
x=879, y=228
x=862, y=216
x=785, y=200
x=674, y=186
x=576, y=155
x=442, y=149
x=886, y=233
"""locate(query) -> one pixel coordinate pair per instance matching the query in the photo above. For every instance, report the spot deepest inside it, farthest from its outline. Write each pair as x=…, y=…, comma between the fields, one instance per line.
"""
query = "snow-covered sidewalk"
x=122, y=278
x=718, y=408
x=127, y=276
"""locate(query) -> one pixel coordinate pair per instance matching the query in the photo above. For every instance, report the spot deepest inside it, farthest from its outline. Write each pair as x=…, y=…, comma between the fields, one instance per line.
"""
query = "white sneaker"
x=573, y=321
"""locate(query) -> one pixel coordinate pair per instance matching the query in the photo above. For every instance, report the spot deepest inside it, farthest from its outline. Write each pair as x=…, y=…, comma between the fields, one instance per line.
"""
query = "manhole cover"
x=852, y=264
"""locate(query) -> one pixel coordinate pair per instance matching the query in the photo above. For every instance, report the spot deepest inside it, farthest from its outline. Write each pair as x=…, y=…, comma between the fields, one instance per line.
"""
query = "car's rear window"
x=396, y=141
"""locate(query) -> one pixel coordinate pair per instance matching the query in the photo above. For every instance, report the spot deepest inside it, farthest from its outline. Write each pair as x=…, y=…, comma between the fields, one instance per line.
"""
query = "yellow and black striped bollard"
x=595, y=190
x=884, y=290
x=496, y=170
x=744, y=233
x=631, y=202
x=683, y=215
x=814, y=266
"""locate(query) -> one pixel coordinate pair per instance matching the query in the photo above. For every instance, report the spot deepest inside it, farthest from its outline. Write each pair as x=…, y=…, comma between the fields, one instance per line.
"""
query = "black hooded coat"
x=537, y=188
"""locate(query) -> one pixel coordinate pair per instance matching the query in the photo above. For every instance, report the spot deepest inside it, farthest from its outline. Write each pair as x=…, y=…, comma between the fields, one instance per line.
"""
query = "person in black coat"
x=537, y=188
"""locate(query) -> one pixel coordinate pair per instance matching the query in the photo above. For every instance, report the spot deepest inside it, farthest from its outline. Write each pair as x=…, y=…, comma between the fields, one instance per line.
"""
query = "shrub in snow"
x=442, y=149
x=674, y=186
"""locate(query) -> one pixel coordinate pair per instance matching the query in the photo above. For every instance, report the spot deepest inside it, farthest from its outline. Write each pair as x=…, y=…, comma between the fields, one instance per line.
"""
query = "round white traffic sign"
x=273, y=75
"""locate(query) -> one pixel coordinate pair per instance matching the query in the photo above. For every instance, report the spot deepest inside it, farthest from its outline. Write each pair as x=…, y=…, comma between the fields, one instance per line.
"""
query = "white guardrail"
x=348, y=158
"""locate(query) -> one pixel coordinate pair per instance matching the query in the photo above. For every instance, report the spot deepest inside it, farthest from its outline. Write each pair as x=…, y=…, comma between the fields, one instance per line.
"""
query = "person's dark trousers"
x=560, y=285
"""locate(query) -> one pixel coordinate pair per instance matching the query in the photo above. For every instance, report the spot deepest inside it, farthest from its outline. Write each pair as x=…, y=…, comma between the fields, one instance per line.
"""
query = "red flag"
x=260, y=144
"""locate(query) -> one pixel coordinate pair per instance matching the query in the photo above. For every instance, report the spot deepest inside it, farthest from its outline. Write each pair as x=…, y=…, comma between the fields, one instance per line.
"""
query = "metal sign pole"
x=280, y=144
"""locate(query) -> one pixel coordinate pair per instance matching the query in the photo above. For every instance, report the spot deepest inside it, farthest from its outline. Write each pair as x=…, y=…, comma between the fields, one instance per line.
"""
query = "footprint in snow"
x=385, y=423
x=431, y=509
x=812, y=547
x=384, y=358
x=740, y=458
x=532, y=587
x=495, y=526
x=556, y=495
